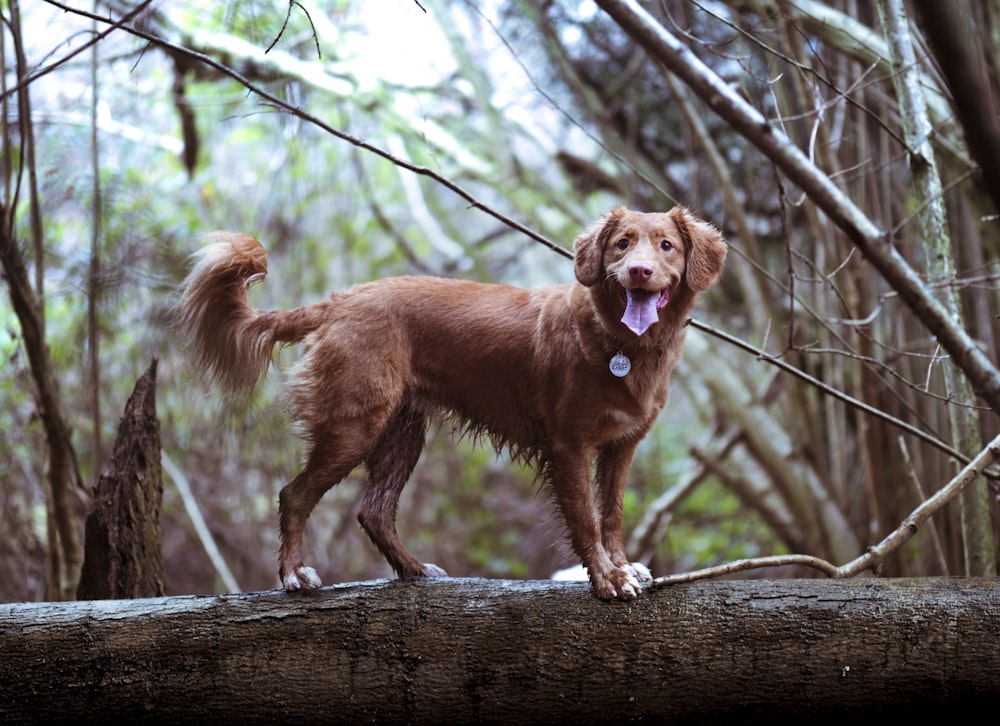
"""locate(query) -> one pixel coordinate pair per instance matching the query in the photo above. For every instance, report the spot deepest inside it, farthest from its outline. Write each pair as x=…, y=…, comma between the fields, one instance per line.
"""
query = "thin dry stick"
x=193, y=510
x=829, y=390
x=909, y=526
x=876, y=554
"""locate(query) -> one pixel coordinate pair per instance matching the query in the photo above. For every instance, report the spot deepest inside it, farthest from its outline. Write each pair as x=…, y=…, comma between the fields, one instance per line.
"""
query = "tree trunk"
x=65, y=550
x=122, y=557
x=462, y=651
x=935, y=240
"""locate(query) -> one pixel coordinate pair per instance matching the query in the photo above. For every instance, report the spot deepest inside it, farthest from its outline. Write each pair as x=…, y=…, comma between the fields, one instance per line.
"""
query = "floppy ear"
x=588, y=248
x=706, y=250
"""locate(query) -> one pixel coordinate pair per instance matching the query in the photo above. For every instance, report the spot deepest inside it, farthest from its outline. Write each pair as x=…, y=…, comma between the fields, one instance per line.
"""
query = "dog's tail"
x=233, y=342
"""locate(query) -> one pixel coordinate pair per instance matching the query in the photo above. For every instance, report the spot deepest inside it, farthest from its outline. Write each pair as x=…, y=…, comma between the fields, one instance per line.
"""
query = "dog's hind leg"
x=332, y=457
x=390, y=464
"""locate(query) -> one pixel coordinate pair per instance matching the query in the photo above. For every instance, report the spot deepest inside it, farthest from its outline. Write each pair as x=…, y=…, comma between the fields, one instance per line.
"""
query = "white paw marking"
x=639, y=571
x=631, y=588
x=303, y=578
x=433, y=570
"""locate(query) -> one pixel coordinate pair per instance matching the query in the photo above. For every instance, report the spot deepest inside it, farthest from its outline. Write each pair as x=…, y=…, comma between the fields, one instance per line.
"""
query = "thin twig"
x=319, y=53
x=281, y=32
x=115, y=25
x=742, y=565
x=875, y=555
x=826, y=388
x=909, y=526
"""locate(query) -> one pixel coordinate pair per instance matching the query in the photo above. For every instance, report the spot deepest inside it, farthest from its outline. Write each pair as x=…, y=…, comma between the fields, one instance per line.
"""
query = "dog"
x=567, y=377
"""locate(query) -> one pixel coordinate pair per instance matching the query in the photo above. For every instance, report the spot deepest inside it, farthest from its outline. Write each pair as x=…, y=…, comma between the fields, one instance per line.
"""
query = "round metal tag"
x=620, y=365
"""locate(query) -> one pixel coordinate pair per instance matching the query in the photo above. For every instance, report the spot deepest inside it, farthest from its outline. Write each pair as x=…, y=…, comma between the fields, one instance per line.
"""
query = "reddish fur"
x=527, y=367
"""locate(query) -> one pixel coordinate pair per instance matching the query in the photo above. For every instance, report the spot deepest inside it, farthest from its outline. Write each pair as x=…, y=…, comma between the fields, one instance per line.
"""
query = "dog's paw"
x=619, y=583
x=301, y=578
x=639, y=571
x=420, y=571
x=432, y=571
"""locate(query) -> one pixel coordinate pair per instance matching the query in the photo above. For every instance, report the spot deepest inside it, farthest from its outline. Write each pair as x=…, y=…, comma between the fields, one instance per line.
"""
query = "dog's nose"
x=640, y=273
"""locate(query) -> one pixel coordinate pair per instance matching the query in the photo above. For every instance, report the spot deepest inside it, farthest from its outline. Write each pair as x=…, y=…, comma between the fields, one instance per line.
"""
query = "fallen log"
x=491, y=651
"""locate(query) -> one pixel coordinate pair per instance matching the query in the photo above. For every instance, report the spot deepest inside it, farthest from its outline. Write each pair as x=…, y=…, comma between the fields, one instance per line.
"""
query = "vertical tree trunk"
x=927, y=195
x=65, y=551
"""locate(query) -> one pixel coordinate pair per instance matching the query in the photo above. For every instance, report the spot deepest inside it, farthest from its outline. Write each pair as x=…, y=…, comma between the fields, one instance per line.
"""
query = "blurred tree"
x=65, y=552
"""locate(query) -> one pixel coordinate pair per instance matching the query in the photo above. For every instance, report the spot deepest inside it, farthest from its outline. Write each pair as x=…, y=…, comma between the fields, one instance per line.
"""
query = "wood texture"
x=122, y=557
x=491, y=651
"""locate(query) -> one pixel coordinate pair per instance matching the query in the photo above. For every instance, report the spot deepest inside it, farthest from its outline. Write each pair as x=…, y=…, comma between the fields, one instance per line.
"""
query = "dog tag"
x=620, y=365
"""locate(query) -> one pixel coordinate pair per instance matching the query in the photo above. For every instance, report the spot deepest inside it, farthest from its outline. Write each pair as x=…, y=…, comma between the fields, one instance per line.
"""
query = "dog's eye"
x=623, y=243
x=666, y=246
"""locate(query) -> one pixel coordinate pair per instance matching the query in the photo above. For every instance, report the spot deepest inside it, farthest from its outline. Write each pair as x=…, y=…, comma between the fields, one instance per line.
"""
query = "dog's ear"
x=588, y=248
x=706, y=250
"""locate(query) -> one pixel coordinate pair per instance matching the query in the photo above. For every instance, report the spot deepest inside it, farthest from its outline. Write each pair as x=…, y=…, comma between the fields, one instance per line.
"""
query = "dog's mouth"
x=642, y=307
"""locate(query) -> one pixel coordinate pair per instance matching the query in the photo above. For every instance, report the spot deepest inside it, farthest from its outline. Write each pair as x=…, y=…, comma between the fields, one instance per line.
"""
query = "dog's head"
x=648, y=259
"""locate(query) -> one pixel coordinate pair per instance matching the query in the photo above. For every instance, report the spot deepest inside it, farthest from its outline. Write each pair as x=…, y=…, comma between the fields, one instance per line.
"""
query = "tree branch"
x=875, y=554
x=309, y=118
x=831, y=391
x=874, y=243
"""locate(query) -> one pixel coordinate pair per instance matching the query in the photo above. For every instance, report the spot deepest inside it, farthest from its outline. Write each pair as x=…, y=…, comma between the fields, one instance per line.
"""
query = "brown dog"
x=560, y=375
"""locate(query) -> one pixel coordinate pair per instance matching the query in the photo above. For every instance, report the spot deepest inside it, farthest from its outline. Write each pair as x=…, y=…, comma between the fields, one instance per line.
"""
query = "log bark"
x=462, y=651
x=122, y=556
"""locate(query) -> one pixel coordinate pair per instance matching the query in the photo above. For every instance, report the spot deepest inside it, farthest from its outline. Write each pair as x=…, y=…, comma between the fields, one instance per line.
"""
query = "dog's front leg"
x=571, y=486
x=613, y=464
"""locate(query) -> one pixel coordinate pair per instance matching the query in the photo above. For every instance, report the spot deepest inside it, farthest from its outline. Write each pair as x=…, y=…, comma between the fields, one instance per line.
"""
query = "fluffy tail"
x=233, y=342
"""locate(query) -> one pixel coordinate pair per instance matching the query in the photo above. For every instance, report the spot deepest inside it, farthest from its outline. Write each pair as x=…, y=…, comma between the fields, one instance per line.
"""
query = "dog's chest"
x=631, y=405
x=618, y=423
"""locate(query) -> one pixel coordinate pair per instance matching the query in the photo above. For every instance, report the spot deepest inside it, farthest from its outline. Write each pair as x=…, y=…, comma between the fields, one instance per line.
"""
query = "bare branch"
x=291, y=4
x=115, y=25
x=829, y=390
x=755, y=563
x=876, y=554
x=874, y=243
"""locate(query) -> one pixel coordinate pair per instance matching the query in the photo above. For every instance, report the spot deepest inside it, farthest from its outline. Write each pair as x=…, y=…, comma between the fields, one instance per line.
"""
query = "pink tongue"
x=640, y=310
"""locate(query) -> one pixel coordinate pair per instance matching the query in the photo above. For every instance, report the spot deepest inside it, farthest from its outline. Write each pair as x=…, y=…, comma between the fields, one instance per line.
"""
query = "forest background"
x=360, y=140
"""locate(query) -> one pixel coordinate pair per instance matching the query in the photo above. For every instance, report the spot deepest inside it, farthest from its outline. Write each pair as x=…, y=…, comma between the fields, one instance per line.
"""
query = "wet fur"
x=527, y=368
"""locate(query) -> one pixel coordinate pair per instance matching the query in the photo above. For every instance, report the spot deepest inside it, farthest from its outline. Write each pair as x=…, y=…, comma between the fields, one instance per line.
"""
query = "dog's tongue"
x=640, y=310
